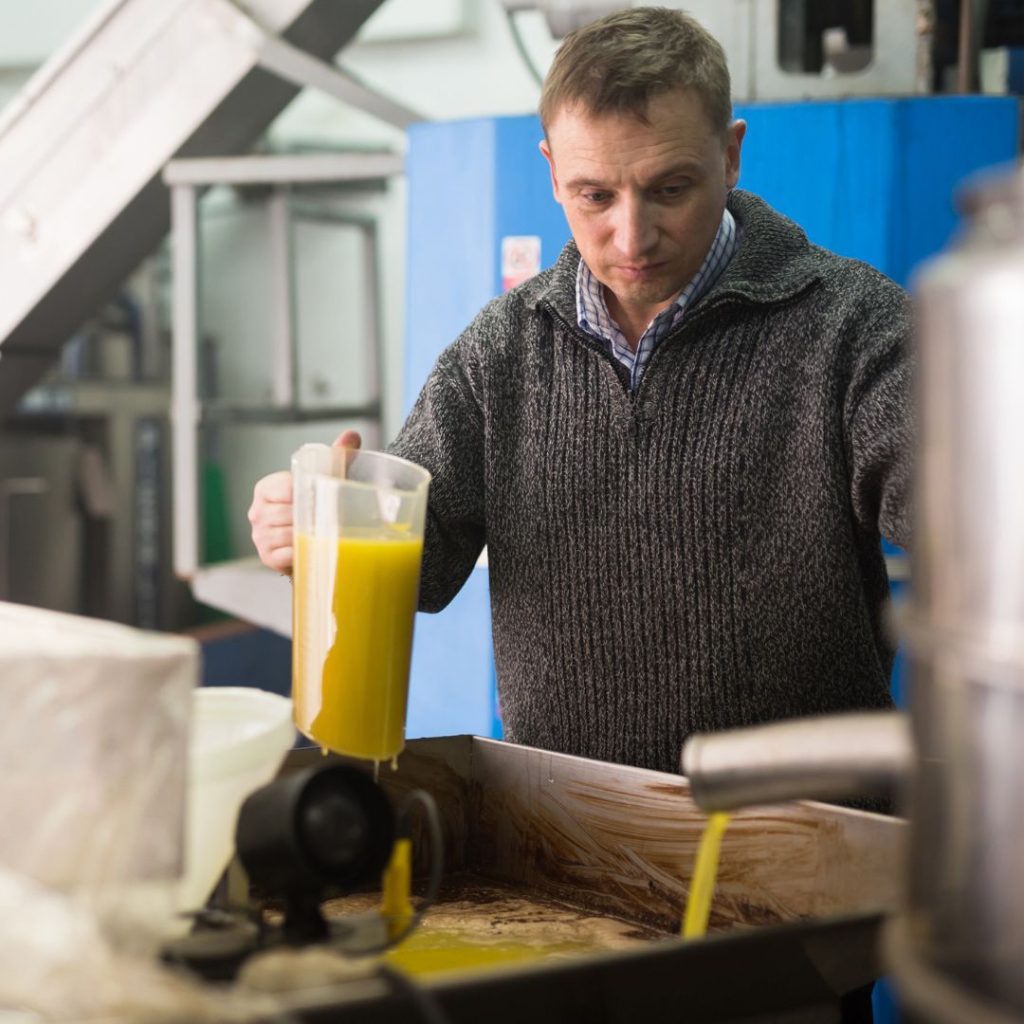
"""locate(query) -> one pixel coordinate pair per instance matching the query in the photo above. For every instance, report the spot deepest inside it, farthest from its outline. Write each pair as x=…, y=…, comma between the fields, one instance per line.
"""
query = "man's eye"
x=671, y=191
x=595, y=198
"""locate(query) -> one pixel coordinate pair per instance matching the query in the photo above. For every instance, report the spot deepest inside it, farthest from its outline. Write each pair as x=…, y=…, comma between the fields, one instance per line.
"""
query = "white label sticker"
x=520, y=259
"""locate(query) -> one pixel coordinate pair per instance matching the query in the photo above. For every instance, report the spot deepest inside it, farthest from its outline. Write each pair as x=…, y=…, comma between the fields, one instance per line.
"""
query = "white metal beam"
x=273, y=170
x=185, y=409
x=300, y=68
x=282, y=301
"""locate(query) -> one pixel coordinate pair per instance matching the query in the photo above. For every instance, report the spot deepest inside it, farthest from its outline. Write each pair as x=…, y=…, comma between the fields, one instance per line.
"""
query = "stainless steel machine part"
x=965, y=918
x=968, y=544
x=752, y=31
x=929, y=994
x=831, y=757
x=963, y=930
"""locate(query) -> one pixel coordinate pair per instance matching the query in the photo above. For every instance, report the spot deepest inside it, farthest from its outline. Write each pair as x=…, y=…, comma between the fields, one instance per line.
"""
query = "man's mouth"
x=639, y=271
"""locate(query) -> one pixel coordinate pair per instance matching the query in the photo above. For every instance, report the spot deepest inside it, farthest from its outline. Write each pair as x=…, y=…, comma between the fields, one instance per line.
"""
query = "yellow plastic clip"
x=396, y=906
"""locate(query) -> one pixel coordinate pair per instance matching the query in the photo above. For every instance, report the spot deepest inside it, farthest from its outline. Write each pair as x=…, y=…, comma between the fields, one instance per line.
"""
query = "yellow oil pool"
x=431, y=952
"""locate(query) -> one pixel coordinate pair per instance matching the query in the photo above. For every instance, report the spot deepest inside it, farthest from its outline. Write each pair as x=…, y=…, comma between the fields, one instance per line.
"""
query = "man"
x=680, y=443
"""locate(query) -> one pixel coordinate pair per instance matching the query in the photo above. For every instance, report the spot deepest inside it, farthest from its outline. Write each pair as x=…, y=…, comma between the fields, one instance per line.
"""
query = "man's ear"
x=546, y=150
x=733, y=144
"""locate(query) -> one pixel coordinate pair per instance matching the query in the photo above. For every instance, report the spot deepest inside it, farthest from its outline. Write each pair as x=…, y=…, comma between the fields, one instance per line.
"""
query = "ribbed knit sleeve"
x=445, y=434
x=877, y=408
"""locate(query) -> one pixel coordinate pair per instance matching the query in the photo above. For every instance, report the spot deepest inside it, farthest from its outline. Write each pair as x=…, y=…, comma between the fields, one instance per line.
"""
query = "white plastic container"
x=93, y=750
x=239, y=738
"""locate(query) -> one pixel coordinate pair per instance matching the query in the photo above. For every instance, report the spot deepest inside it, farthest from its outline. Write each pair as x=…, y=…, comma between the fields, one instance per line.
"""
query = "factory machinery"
x=142, y=90
x=139, y=87
x=83, y=147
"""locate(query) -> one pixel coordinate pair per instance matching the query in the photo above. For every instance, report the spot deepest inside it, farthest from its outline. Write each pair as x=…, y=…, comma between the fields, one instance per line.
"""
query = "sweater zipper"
x=593, y=343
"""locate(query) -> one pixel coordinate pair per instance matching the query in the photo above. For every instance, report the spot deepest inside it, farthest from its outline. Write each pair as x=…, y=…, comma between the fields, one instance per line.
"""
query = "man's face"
x=643, y=201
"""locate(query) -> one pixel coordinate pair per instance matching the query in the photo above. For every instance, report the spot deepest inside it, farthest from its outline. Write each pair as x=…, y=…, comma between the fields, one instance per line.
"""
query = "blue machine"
x=871, y=179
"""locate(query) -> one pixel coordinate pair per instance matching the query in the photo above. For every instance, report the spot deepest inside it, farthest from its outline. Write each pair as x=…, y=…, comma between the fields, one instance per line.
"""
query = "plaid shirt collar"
x=592, y=312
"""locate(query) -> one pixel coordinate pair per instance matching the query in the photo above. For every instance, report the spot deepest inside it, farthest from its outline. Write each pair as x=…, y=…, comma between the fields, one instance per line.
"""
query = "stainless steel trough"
x=802, y=888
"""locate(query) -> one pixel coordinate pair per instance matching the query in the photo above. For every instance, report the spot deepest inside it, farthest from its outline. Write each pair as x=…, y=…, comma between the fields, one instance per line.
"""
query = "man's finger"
x=270, y=539
x=280, y=560
x=273, y=515
x=277, y=487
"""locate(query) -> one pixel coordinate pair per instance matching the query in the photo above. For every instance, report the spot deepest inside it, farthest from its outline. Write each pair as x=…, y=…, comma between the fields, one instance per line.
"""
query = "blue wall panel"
x=945, y=143
x=471, y=183
x=524, y=204
x=828, y=166
x=451, y=690
x=875, y=179
x=450, y=169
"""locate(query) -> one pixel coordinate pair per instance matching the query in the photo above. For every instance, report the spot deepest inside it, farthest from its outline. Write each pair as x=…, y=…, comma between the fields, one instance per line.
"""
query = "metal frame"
x=375, y=329
x=83, y=146
x=11, y=488
x=188, y=412
x=295, y=65
x=184, y=378
x=284, y=383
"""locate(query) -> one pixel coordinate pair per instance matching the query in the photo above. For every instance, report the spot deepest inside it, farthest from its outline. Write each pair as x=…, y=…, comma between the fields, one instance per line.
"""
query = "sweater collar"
x=774, y=262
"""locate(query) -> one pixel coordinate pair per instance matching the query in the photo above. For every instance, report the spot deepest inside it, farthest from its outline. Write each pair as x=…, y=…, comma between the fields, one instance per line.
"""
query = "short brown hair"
x=618, y=63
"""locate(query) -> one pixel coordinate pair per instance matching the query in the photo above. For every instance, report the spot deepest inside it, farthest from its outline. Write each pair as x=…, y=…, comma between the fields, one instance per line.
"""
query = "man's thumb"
x=348, y=439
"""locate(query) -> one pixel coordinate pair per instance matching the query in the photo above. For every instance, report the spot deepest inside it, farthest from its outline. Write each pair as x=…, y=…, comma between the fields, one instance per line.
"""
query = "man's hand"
x=271, y=513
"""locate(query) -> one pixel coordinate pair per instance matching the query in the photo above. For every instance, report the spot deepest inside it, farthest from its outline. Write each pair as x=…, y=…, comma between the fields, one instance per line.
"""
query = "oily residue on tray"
x=476, y=924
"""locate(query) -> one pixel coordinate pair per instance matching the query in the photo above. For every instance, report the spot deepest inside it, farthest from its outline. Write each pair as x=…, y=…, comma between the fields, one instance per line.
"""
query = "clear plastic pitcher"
x=358, y=542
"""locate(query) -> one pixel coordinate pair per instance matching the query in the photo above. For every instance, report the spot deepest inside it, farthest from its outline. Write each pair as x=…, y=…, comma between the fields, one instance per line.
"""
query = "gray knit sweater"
x=696, y=554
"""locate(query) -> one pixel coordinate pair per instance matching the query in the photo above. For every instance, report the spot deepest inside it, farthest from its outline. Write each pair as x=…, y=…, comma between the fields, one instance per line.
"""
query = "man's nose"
x=635, y=229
